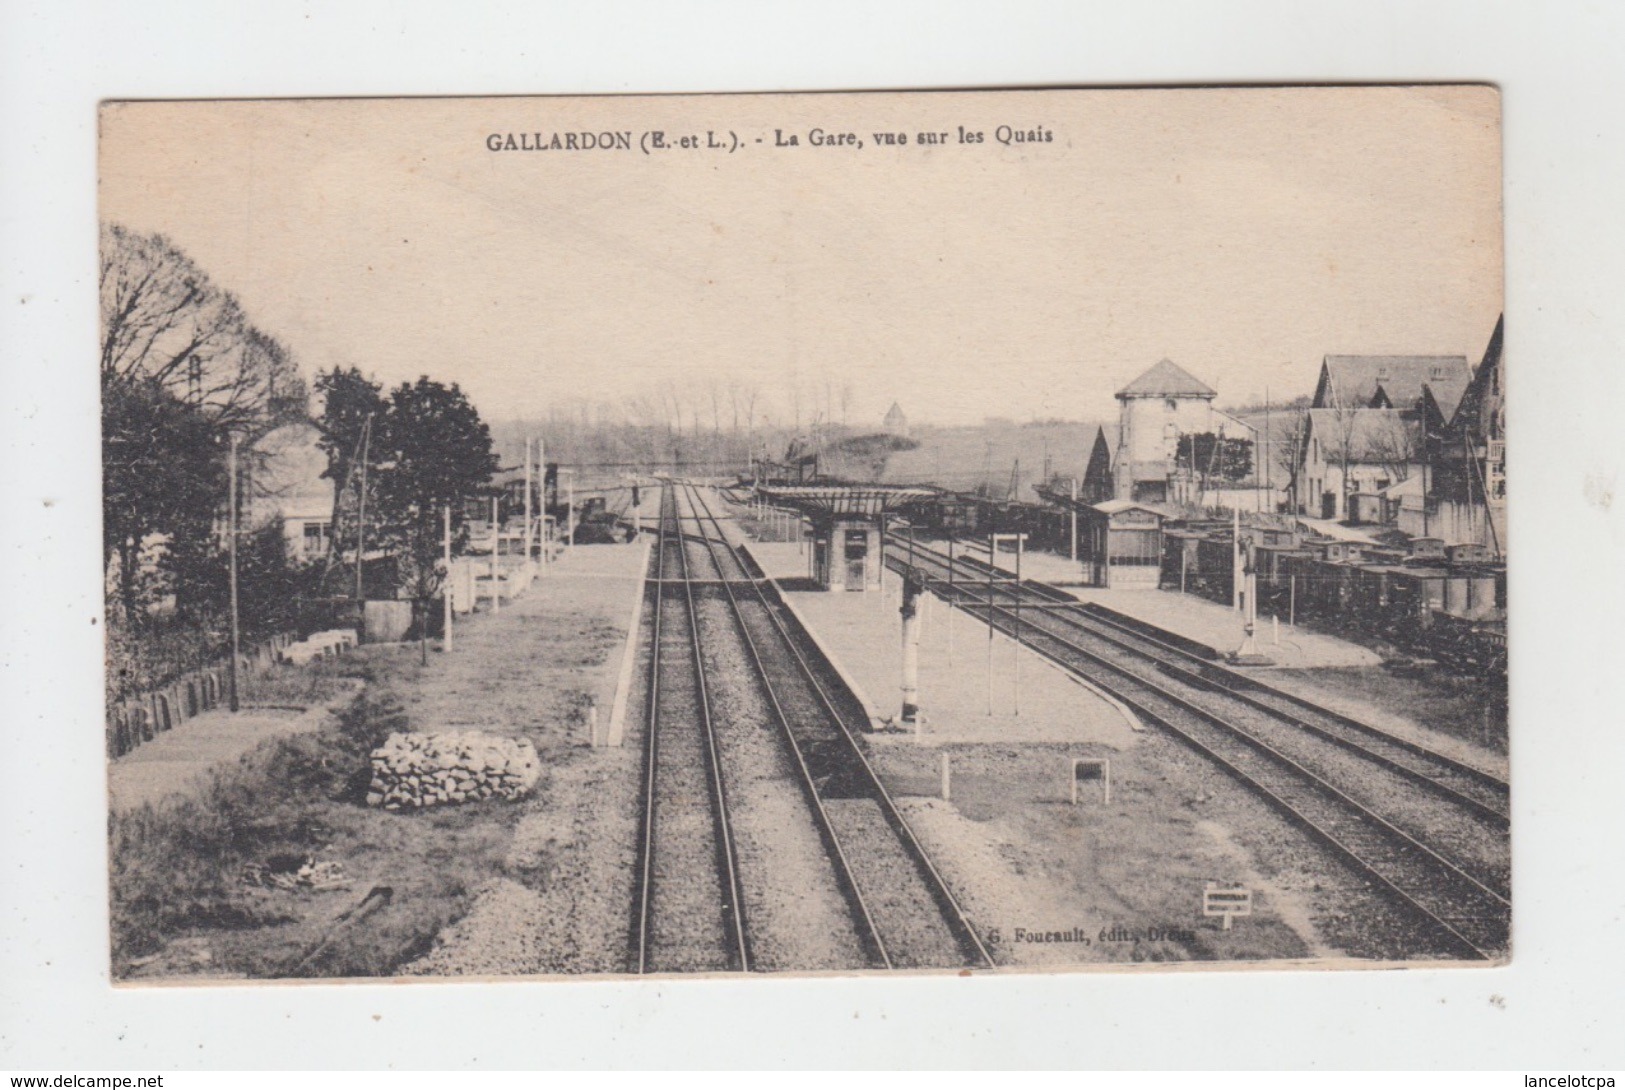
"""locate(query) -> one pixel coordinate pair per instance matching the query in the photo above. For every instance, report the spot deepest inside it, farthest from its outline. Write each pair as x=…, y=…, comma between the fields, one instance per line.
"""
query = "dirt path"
x=177, y=761
x=535, y=670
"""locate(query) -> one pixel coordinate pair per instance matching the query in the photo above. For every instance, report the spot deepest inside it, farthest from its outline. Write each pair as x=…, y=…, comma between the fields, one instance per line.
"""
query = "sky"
x=1243, y=234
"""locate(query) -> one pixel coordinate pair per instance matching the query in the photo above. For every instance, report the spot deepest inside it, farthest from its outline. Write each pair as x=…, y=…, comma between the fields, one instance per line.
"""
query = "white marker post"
x=945, y=769
x=527, y=505
x=541, y=466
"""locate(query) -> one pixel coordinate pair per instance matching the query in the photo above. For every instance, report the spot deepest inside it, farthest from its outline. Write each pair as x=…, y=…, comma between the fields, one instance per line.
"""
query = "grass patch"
x=318, y=683
x=177, y=869
x=1472, y=709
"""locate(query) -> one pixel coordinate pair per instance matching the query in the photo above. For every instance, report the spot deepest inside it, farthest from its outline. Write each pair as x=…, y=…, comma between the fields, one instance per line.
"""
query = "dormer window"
x=1436, y=373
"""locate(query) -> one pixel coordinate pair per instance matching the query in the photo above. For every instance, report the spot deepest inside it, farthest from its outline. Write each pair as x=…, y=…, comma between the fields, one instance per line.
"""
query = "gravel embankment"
x=688, y=899
x=797, y=917
x=908, y=917
x=1481, y=847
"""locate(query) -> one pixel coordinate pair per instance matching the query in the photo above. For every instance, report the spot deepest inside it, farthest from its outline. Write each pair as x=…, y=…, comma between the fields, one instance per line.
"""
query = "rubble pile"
x=418, y=770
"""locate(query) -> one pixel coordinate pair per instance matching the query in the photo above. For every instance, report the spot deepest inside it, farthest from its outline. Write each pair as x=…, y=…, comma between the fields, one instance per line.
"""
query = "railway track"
x=688, y=914
x=1473, y=789
x=899, y=911
x=1315, y=766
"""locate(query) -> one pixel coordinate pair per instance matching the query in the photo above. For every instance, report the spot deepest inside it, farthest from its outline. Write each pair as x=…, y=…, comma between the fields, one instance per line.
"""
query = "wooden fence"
x=138, y=719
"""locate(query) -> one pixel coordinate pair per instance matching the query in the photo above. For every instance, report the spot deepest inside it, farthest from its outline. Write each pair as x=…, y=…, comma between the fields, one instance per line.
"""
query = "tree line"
x=184, y=373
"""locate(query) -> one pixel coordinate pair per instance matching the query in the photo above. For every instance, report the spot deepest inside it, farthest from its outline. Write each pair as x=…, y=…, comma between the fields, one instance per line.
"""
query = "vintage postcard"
x=829, y=533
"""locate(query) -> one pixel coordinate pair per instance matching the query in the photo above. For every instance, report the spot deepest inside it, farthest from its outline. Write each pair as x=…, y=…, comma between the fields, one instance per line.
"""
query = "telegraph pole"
x=1019, y=538
x=231, y=534
x=992, y=555
x=1072, y=541
x=445, y=590
x=361, y=526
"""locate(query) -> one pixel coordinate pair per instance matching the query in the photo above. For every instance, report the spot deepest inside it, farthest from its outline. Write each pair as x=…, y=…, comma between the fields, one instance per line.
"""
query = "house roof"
x=1477, y=412
x=1410, y=486
x=1112, y=507
x=1337, y=531
x=1167, y=379
x=1392, y=381
x=1381, y=436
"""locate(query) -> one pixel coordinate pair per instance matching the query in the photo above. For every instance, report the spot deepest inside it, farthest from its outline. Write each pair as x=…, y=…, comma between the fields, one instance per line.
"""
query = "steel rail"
x=651, y=750
x=1171, y=660
x=1104, y=616
x=1002, y=619
x=959, y=923
x=869, y=933
x=734, y=927
x=1312, y=784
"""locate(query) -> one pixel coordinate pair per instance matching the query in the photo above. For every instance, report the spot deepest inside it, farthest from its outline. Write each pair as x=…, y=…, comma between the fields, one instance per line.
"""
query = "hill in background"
x=967, y=458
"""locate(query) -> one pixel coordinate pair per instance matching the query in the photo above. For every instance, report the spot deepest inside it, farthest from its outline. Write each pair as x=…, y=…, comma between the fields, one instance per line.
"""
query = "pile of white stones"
x=411, y=771
x=334, y=641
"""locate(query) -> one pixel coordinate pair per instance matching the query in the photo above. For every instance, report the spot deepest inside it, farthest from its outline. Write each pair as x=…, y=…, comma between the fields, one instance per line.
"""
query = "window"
x=1170, y=404
x=1495, y=470
x=315, y=539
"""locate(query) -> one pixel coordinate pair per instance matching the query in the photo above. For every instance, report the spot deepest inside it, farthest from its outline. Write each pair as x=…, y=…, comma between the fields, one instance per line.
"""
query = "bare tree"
x=164, y=321
x=1396, y=445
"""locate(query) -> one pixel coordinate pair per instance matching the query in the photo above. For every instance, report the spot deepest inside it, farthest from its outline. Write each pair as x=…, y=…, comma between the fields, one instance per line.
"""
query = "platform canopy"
x=838, y=500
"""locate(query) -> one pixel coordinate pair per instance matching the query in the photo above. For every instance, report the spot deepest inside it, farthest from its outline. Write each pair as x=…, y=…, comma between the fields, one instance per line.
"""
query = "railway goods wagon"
x=1215, y=564
x=1426, y=550
x=1272, y=573
x=1179, y=559
x=947, y=515
x=1471, y=595
x=1471, y=553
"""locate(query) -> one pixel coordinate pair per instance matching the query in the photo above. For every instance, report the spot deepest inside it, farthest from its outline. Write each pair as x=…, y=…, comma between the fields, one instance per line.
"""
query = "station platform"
x=1288, y=647
x=1033, y=702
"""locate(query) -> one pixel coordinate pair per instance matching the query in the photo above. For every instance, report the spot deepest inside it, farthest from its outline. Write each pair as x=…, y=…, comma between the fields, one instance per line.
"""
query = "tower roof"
x=894, y=415
x=1167, y=379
